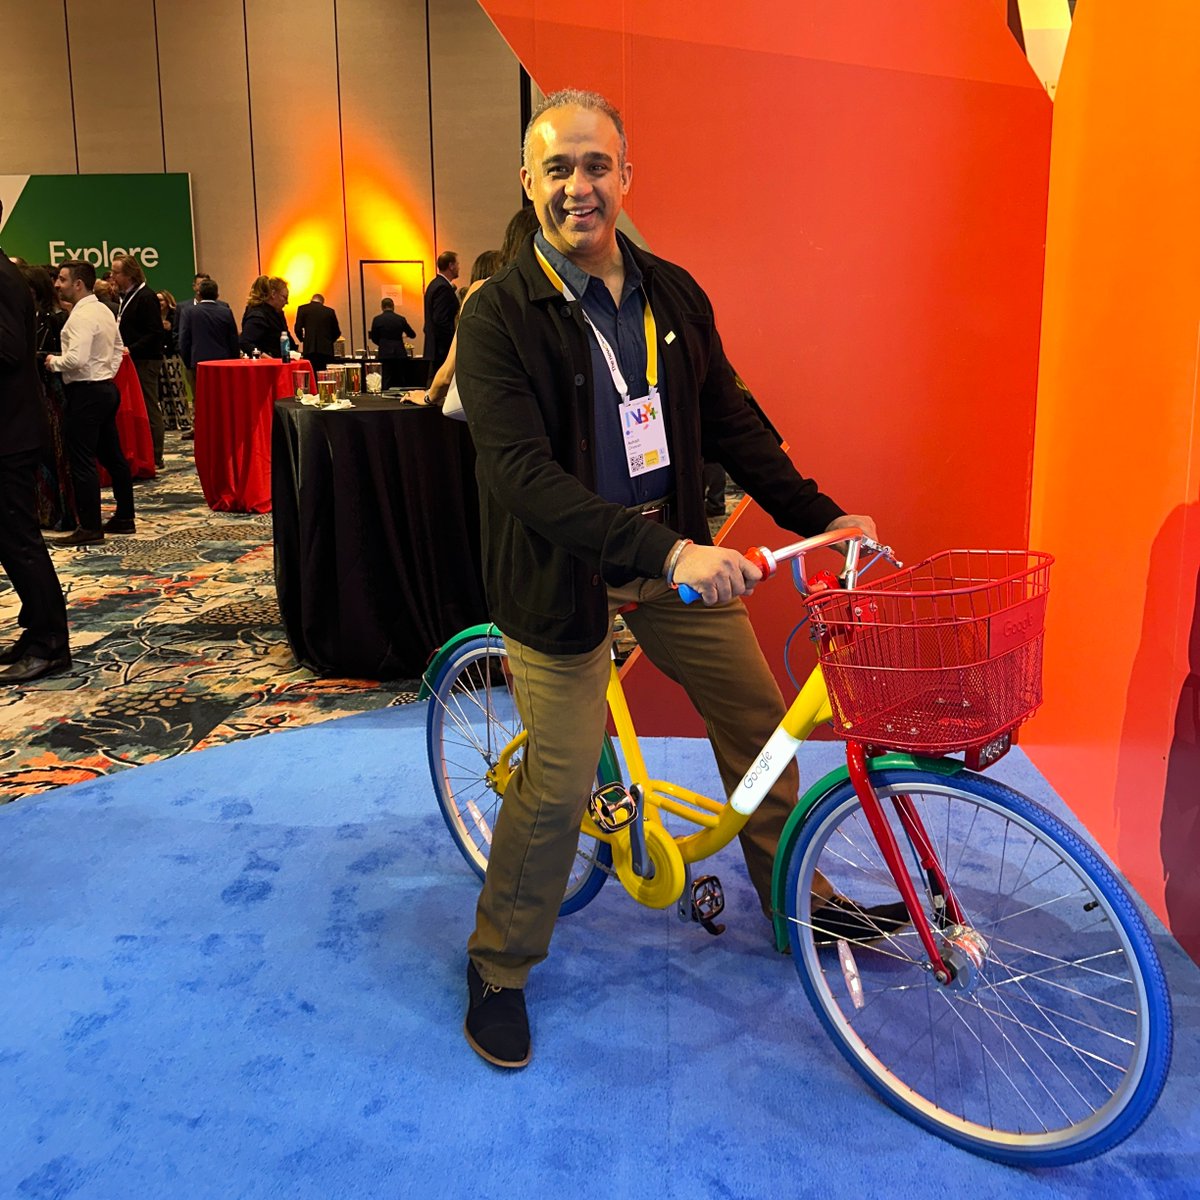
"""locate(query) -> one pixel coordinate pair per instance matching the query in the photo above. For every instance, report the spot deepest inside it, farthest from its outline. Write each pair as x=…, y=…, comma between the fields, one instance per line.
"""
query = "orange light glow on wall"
x=307, y=255
x=384, y=217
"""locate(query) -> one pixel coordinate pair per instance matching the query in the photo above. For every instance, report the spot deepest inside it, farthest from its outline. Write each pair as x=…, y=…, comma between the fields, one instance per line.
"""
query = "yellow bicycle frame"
x=716, y=822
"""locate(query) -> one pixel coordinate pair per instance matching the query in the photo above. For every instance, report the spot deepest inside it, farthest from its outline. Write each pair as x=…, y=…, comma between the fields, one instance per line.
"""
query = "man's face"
x=64, y=285
x=119, y=279
x=575, y=180
x=278, y=300
x=196, y=286
x=451, y=271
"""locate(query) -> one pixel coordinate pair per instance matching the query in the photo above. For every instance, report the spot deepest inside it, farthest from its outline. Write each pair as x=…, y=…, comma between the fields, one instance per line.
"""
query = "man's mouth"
x=580, y=214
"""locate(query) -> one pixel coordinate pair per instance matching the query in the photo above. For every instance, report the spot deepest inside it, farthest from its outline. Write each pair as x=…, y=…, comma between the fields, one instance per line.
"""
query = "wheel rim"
x=474, y=718
x=1044, y=1048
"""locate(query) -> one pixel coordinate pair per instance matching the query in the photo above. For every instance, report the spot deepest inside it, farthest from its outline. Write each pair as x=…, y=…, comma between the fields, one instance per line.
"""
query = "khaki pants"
x=713, y=654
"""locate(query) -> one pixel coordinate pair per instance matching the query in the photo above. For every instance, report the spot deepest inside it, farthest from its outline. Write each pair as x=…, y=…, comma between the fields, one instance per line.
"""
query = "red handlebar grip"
x=759, y=557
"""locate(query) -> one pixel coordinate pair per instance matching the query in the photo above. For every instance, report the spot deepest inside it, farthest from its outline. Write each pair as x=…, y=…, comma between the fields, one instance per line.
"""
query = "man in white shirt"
x=91, y=354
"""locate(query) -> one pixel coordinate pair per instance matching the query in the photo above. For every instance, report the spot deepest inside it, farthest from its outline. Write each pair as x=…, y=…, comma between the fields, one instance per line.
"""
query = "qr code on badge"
x=637, y=462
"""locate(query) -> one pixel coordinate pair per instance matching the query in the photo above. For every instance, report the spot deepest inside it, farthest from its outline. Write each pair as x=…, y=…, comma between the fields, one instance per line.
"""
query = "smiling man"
x=592, y=376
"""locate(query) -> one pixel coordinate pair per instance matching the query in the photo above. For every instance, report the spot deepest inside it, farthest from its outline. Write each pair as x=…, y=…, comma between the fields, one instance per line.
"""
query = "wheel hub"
x=964, y=950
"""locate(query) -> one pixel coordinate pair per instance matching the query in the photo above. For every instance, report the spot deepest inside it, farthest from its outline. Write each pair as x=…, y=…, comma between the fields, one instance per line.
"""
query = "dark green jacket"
x=550, y=544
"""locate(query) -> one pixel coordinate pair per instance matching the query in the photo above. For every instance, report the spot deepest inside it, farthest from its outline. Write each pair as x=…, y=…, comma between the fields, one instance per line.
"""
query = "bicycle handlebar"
x=767, y=561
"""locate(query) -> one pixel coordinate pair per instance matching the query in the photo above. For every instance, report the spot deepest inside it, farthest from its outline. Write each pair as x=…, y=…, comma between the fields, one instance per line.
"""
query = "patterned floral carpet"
x=177, y=645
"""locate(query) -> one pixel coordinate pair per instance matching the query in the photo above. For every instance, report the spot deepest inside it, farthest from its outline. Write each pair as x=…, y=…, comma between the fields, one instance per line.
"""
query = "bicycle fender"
x=806, y=803
x=610, y=767
x=438, y=661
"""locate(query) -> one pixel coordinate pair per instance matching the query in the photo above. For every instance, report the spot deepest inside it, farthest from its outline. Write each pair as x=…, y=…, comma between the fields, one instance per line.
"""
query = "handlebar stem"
x=768, y=561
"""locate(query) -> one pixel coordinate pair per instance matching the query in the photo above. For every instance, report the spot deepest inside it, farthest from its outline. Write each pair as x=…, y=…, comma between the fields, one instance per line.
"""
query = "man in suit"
x=210, y=331
x=317, y=328
x=140, y=320
x=388, y=331
x=441, y=309
x=42, y=647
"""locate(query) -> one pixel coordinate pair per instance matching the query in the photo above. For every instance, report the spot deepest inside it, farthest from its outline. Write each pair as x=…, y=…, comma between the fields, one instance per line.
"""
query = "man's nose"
x=578, y=182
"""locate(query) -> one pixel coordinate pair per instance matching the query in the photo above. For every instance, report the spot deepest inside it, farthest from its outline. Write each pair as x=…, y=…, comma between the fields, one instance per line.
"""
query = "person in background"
x=105, y=291
x=184, y=311
x=263, y=321
x=441, y=309
x=42, y=647
x=141, y=330
x=91, y=354
x=210, y=333
x=173, y=394
x=55, y=499
x=522, y=223
x=388, y=331
x=317, y=328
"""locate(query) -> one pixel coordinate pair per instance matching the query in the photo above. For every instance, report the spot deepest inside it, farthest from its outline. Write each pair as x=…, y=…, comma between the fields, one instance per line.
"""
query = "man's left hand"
x=855, y=521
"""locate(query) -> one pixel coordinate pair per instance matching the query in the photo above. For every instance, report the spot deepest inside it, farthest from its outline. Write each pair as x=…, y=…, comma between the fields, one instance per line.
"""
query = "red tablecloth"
x=235, y=401
x=133, y=425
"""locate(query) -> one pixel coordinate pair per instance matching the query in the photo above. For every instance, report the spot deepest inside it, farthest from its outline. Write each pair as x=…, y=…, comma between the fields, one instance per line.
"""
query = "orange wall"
x=1117, y=460
x=861, y=188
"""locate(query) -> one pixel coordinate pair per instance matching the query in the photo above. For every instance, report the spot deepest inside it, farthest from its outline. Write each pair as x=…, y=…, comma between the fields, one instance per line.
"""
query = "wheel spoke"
x=1038, y=1039
x=472, y=718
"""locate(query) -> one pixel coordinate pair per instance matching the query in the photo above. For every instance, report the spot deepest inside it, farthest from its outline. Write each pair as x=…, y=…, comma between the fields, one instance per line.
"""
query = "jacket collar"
x=541, y=289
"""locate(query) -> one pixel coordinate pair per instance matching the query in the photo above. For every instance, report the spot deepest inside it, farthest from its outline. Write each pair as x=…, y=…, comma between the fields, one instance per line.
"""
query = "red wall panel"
x=863, y=195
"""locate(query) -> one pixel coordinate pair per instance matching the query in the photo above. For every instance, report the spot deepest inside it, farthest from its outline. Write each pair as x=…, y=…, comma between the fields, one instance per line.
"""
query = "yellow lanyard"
x=609, y=356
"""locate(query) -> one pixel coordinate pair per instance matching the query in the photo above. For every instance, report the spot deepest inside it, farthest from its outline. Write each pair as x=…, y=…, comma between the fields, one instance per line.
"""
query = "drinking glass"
x=326, y=388
x=299, y=382
x=374, y=379
x=354, y=379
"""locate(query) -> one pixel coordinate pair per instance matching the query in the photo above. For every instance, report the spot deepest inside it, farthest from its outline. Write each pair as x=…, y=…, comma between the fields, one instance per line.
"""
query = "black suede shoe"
x=497, y=1026
x=32, y=666
x=842, y=919
x=80, y=537
x=120, y=525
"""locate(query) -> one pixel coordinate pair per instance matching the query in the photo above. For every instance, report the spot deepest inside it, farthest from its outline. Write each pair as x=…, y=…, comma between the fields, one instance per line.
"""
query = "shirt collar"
x=578, y=279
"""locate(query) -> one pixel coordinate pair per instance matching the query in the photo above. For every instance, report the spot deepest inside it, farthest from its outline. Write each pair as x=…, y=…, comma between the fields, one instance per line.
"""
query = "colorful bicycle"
x=1023, y=1014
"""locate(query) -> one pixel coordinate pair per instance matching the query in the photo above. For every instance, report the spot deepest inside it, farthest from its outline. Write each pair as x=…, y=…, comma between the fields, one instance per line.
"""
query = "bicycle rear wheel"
x=1055, y=1044
x=472, y=719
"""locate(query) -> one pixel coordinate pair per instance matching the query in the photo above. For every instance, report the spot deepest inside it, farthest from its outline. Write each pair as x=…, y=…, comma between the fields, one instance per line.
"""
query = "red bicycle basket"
x=938, y=657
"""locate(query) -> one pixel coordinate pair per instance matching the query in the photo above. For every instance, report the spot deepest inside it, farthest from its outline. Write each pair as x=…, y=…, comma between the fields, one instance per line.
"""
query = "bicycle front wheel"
x=472, y=719
x=1052, y=1043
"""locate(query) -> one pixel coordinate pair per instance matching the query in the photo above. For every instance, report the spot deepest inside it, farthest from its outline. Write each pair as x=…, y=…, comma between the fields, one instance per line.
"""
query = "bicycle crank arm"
x=643, y=864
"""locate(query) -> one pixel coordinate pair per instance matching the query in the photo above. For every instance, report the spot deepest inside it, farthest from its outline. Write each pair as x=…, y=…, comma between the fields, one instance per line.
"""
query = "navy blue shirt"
x=625, y=328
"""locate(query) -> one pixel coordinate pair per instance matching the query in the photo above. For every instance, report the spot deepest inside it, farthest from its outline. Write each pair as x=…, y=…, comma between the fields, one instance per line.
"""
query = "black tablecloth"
x=376, y=535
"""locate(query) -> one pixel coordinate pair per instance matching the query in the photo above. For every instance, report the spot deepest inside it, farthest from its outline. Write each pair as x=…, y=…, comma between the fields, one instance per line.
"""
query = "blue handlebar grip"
x=688, y=595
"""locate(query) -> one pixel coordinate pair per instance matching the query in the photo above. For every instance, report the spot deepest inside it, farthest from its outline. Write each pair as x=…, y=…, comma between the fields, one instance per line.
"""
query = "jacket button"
x=595, y=581
x=579, y=381
x=583, y=443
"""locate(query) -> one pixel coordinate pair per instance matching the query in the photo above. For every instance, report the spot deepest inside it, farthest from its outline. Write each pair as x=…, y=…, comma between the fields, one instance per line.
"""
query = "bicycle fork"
x=948, y=912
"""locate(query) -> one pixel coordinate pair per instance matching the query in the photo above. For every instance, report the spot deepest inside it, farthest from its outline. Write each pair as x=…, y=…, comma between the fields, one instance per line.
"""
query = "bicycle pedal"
x=708, y=903
x=612, y=807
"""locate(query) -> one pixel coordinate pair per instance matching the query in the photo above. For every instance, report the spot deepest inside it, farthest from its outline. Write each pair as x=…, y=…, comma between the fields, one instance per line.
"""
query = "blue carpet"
x=239, y=973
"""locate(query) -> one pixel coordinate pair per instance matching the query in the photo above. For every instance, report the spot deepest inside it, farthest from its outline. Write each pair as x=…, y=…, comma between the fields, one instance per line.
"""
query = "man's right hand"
x=716, y=572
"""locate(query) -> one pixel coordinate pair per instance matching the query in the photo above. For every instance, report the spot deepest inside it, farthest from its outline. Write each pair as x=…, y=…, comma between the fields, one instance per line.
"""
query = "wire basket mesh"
x=941, y=656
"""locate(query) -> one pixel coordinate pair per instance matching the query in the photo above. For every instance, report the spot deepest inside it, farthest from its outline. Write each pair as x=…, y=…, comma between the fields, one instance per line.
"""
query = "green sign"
x=52, y=218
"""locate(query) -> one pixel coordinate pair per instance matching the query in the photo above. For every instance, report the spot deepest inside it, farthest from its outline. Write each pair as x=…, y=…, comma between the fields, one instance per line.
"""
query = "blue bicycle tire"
x=1005, y=1001
x=463, y=697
